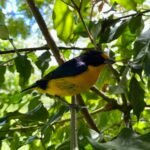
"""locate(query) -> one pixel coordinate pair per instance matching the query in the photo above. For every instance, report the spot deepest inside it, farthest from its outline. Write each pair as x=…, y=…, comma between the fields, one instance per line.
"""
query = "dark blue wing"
x=70, y=68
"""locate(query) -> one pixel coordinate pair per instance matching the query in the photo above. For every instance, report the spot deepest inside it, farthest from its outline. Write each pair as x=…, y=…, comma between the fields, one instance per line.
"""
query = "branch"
x=86, y=114
x=78, y=9
x=101, y=94
x=42, y=25
x=131, y=15
x=42, y=48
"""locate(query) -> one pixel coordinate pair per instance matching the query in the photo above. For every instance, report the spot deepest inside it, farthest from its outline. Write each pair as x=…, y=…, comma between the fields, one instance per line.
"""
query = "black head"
x=96, y=58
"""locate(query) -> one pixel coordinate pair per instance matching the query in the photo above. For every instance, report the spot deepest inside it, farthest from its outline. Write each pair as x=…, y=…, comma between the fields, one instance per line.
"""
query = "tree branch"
x=78, y=9
x=42, y=25
x=86, y=114
x=42, y=48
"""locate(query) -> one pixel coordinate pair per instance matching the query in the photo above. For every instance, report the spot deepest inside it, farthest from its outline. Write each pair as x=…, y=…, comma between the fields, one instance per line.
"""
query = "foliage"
x=120, y=106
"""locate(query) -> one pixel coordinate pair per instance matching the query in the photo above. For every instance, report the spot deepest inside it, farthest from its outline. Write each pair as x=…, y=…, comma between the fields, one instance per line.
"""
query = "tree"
x=118, y=105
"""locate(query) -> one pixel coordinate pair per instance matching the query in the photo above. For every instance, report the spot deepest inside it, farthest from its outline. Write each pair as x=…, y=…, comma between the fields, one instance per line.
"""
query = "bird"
x=74, y=76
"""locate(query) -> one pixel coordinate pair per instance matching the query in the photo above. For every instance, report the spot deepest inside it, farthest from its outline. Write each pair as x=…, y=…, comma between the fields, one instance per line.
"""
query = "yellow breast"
x=69, y=86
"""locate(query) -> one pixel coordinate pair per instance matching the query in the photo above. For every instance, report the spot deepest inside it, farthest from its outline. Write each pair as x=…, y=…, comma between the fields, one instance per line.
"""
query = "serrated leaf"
x=63, y=20
x=24, y=68
x=43, y=61
x=136, y=97
x=127, y=140
x=2, y=73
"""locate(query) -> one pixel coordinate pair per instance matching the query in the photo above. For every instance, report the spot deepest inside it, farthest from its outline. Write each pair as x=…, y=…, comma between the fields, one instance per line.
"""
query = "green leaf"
x=2, y=73
x=18, y=27
x=128, y=4
x=127, y=140
x=39, y=113
x=96, y=28
x=4, y=34
x=63, y=20
x=2, y=18
x=141, y=44
x=136, y=97
x=136, y=24
x=43, y=61
x=24, y=68
x=117, y=31
x=147, y=63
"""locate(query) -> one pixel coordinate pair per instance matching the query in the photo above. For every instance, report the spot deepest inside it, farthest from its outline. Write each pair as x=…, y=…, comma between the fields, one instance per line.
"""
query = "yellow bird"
x=74, y=76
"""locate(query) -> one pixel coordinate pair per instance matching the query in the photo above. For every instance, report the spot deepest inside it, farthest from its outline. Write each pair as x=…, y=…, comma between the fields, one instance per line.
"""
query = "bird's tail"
x=30, y=87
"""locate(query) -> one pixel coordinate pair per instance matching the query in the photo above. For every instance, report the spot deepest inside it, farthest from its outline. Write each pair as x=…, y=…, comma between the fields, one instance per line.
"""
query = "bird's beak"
x=109, y=61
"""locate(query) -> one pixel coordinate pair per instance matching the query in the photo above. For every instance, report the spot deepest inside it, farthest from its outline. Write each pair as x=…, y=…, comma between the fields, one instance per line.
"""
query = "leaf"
x=18, y=27
x=4, y=34
x=96, y=28
x=39, y=113
x=2, y=73
x=63, y=20
x=127, y=140
x=128, y=4
x=136, y=97
x=24, y=68
x=141, y=44
x=43, y=61
x=147, y=63
x=117, y=31
x=136, y=24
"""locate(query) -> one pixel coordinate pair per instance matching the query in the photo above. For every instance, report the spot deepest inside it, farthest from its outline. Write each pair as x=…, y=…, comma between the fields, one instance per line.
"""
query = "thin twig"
x=101, y=94
x=42, y=48
x=82, y=20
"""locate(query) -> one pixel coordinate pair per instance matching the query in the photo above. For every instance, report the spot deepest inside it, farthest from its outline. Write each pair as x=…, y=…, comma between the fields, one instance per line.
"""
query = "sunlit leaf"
x=128, y=4
x=63, y=20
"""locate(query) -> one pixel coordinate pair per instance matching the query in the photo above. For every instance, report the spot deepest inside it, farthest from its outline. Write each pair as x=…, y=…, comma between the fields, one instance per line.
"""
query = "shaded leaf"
x=127, y=139
x=4, y=34
x=136, y=24
x=24, y=68
x=147, y=63
x=141, y=43
x=117, y=31
x=136, y=97
x=2, y=73
x=43, y=61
